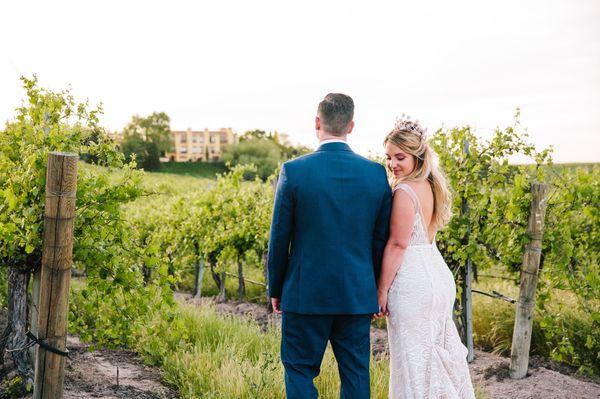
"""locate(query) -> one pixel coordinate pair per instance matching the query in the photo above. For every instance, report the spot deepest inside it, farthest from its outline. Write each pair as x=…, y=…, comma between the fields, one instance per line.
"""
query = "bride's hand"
x=382, y=299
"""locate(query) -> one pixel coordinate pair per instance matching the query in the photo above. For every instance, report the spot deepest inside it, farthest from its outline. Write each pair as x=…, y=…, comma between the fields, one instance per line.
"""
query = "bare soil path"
x=111, y=374
x=94, y=374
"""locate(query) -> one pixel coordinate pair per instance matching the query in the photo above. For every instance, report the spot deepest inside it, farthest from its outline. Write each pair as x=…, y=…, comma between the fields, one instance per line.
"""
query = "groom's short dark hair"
x=336, y=112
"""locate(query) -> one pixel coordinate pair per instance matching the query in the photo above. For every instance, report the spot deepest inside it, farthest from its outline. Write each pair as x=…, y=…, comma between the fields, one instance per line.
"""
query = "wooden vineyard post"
x=241, y=282
x=467, y=277
x=467, y=302
x=521, y=341
x=55, y=277
x=222, y=296
x=199, y=278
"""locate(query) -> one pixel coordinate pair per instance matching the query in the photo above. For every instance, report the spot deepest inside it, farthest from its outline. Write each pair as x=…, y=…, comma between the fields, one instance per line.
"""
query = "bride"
x=416, y=288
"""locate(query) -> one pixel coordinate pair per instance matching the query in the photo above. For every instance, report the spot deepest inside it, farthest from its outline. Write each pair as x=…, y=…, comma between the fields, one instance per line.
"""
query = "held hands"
x=382, y=296
x=381, y=299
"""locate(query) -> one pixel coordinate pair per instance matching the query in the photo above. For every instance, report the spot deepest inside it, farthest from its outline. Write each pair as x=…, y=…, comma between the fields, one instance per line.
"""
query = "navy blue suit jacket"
x=330, y=226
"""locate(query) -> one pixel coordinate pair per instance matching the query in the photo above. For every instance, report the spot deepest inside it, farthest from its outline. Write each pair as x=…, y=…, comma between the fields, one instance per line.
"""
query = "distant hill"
x=586, y=165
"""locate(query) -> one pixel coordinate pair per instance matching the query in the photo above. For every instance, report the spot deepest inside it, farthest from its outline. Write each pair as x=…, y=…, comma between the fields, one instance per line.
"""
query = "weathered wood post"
x=467, y=277
x=199, y=271
x=55, y=278
x=199, y=278
x=222, y=296
x=241, y=282
x=521, y=341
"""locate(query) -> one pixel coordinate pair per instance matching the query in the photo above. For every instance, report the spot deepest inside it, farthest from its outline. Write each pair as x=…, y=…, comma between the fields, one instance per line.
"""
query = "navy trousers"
x=303, y=343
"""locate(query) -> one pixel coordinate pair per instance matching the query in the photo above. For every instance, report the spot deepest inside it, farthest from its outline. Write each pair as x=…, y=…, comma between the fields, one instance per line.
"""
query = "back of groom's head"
x=336, y=112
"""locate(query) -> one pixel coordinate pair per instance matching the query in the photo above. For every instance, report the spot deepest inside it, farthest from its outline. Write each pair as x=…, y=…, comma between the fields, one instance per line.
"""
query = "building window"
x=183, y=150
x=212, y=139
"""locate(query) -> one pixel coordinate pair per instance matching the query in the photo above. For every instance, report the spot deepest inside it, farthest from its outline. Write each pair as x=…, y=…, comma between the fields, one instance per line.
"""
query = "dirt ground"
x=546, y=380
x=108, y=374
x=111, y=374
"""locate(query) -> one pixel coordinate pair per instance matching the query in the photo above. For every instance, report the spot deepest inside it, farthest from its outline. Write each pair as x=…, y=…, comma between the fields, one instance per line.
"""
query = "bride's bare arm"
x=401, y=225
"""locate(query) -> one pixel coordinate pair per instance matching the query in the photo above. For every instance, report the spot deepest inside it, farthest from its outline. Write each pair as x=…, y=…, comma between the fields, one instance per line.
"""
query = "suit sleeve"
x=382, y=229
x=282, y=225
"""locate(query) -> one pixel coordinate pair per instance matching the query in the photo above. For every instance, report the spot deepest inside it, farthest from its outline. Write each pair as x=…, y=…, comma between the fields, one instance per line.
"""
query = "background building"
x=191, y=145
x=202, y=145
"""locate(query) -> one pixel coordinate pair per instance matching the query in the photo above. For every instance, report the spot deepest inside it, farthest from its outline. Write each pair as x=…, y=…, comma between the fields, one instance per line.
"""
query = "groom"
x=329, y=228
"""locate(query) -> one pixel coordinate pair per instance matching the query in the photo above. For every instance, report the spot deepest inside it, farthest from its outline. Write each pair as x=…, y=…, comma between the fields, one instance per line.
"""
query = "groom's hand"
x=276, y=302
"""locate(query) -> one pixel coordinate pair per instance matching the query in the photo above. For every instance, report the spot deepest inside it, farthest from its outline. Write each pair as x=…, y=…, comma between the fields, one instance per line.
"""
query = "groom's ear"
x=350, y=127
x=317, y=123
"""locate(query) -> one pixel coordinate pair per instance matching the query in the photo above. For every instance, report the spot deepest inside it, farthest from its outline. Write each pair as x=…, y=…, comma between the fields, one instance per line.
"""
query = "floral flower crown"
x=404, y=124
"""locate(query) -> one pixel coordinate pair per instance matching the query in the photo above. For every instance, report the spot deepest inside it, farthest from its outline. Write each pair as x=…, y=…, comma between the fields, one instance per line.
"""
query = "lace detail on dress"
x=427, y=358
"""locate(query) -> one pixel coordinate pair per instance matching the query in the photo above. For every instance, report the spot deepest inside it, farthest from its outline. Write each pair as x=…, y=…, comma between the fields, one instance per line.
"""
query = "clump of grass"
x=205, y=354
x=493, y=320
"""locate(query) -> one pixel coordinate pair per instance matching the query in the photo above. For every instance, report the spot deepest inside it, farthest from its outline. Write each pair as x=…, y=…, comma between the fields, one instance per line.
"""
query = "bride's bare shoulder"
x=419, y=186
x=423, y=191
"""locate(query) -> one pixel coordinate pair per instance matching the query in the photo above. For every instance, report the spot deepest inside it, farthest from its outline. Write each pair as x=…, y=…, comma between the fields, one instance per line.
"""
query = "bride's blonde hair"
x=411, y=138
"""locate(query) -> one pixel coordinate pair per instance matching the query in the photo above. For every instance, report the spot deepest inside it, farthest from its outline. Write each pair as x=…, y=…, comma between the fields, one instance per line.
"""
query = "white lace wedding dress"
x=427, y=358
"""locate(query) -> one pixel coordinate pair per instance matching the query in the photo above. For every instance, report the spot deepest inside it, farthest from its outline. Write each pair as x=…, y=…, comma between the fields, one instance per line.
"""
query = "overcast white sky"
x=267, y=64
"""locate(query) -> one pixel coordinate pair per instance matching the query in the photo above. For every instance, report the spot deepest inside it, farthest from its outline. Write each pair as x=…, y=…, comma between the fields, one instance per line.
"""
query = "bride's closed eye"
x=398, y=158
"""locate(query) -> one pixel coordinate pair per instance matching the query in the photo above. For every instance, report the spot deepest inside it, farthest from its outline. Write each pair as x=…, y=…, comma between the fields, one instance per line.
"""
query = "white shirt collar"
x=332, y=141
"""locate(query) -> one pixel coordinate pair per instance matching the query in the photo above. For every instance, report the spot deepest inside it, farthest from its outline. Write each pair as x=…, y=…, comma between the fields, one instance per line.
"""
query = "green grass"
x=209, y=355
x=208, y=170
x=170, y=184
x=160, y=182
x=493, y=318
